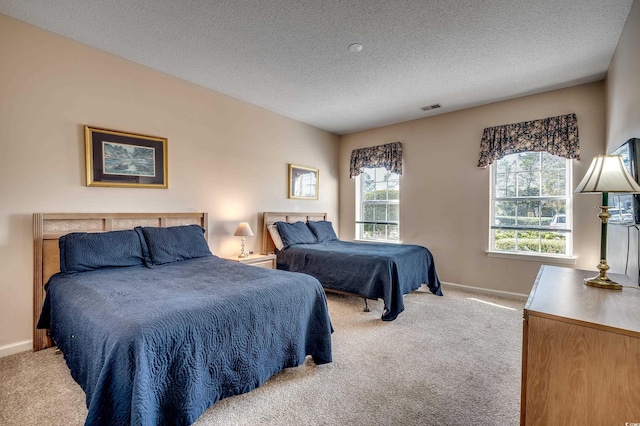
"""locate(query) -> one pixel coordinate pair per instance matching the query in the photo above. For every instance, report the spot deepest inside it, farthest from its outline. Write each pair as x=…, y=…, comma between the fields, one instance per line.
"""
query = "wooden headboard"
x=269, y=218
x=49, y=227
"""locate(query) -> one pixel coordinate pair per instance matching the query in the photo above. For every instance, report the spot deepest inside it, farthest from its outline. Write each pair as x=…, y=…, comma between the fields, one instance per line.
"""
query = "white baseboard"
x=499, y=293
x=15, y=348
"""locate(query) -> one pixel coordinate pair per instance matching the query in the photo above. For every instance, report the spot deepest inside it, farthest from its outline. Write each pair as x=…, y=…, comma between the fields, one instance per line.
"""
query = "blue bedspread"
x=159, y=346
x=374, y=271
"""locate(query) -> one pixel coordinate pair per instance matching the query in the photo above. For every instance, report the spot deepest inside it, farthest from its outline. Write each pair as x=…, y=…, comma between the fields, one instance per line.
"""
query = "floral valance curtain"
x=555, y=135
x=388, y=156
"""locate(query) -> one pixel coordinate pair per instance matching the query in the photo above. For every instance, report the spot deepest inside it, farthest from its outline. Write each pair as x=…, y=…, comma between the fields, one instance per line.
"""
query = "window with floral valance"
x=377, y=170
x=530, y=163
x=388, y=156
x=555, y=135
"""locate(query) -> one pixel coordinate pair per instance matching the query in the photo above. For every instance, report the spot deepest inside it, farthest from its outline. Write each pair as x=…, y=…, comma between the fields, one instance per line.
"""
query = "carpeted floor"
x=450, y=360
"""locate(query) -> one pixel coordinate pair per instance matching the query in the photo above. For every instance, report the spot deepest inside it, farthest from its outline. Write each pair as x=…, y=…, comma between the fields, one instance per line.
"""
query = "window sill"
x=562, y=260
x=377, y=241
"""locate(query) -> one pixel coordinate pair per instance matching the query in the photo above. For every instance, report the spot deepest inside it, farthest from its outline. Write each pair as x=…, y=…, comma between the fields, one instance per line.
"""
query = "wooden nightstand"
x=260, y=260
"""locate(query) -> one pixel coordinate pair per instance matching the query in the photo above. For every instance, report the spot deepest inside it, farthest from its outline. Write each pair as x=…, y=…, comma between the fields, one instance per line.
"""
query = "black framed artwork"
x=120, y=159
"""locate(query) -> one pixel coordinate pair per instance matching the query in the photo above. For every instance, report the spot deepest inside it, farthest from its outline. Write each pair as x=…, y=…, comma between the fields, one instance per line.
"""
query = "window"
x=378, y=205
x=531, y=204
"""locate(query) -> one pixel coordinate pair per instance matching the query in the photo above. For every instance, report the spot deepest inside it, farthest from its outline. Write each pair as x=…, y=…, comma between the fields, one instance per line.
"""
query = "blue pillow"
x=323, y=230
x=82, y=252
x=295, y=233
x=172, y=244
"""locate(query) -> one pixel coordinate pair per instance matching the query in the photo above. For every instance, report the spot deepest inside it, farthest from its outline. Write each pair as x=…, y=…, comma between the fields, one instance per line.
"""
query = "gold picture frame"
x=304, y=182
x=119, y=159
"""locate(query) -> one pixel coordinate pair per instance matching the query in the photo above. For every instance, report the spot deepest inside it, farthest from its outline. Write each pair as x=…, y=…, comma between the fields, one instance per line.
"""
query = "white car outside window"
x=559, y=221
x=620, y=216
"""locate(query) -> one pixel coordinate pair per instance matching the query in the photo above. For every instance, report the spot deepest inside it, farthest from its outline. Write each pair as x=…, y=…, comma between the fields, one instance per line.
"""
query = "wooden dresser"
x=580, y=352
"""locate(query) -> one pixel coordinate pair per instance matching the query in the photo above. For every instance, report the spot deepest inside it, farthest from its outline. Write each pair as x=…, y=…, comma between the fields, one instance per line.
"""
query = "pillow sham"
x=275, y=236
x=82, y=251
x=323, y=230
x=295, y=233
x=172, y=244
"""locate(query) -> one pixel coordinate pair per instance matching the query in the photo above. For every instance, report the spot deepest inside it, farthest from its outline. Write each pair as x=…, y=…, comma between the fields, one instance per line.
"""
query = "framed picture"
x=303, y=182
x=125, y=159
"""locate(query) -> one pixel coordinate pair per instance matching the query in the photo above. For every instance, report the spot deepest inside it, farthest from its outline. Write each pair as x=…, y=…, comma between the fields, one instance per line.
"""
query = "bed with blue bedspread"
x=156, y=329
x=372, y=271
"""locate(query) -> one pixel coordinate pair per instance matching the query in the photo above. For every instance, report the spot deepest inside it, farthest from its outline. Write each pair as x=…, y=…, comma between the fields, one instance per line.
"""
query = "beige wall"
x=623, y=84
x=623, y=122
x=226, y=157
x=444, y=201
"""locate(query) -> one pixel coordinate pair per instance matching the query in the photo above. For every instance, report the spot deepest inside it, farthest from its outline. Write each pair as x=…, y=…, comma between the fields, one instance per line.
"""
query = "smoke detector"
x=430, y=107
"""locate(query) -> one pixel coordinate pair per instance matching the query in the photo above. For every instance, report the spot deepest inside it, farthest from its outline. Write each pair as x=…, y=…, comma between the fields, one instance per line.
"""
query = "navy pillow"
x=295, y=233
x=323, y=230
x=81, y=251
x=172, y=244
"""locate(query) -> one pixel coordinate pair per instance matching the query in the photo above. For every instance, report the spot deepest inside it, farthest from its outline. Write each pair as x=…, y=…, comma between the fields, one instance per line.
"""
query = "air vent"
x=430, y=107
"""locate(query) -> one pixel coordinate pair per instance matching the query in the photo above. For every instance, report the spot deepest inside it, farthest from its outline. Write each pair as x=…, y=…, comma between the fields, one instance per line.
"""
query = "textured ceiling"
x=291, y=56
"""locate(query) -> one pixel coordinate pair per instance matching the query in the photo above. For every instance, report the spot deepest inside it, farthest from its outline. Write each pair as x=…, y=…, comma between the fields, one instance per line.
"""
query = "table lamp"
x=606, y=173
x=243, y=230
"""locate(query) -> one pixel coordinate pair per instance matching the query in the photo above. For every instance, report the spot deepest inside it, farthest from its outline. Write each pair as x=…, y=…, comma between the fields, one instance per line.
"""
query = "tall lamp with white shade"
x=243, y=230
x=606, y=174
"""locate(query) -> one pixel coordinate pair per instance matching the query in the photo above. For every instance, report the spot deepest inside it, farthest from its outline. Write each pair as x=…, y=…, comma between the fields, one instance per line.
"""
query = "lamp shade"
x=243, y=230
x=607, y=173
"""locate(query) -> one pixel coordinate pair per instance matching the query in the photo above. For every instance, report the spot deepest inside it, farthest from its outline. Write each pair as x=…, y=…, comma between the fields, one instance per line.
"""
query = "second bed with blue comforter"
x=373, y=271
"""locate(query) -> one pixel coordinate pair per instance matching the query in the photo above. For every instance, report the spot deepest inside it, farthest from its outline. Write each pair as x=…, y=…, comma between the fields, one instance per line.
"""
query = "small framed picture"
x=303, y=182
x=122, y=159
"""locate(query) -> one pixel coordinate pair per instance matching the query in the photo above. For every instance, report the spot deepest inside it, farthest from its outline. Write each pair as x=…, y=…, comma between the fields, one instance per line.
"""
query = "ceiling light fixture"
x=355, y=47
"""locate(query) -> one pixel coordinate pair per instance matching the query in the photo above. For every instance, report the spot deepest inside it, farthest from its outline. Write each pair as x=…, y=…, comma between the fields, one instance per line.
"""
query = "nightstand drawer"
x=260, y=260
x=270, y=263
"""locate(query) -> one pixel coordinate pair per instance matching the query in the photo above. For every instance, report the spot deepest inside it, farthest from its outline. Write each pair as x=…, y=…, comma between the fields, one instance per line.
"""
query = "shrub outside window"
x=531, y=204
x=378, y=205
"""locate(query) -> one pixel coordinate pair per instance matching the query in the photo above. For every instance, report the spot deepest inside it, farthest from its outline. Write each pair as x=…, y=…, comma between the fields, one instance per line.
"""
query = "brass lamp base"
x=243, y=255
x=602, y=280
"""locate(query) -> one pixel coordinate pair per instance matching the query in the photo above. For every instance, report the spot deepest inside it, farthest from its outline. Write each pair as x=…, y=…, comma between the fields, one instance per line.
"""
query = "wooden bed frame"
x=49, y=227
x=269, y=218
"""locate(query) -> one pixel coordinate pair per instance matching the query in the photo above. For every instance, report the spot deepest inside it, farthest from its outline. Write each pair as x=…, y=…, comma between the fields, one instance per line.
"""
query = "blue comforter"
x=374, y=271
x=159, y=346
